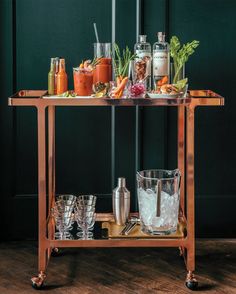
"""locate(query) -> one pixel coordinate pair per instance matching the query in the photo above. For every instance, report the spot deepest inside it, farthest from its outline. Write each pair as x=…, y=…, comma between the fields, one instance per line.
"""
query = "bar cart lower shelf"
x=185, y=240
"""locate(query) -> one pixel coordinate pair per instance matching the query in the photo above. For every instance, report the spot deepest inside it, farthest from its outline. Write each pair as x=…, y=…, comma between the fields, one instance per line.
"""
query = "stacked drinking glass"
x=85, y=215
x=64, y=216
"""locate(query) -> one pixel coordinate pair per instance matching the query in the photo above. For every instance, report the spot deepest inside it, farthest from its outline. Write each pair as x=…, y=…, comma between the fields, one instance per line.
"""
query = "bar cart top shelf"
x=194, y=98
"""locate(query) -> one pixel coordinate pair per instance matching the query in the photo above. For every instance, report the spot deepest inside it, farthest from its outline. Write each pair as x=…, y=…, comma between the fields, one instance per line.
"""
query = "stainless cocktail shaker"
x=121, y=202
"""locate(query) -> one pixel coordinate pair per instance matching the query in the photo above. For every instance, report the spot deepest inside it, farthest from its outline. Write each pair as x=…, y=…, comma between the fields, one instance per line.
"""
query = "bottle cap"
x=142, y=38
x=62, y=64
x=53, y=63
x=161, y=36
x=121, y=182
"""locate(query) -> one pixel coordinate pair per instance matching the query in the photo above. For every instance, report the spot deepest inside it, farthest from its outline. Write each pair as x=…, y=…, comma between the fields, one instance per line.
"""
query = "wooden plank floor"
x=119, y=270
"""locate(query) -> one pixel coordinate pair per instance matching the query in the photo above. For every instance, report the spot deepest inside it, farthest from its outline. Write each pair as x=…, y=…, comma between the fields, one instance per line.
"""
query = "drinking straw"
x=96, y=32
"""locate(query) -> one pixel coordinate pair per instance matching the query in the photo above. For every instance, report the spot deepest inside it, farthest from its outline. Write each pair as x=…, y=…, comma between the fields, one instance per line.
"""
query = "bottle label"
x=143, y=53
x=160, y=63
x=144, y=56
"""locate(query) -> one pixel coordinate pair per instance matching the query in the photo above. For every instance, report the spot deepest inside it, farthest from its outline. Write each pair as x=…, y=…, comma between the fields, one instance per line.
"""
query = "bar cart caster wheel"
x=55, y=252
x=191, y=282
x=38, y=281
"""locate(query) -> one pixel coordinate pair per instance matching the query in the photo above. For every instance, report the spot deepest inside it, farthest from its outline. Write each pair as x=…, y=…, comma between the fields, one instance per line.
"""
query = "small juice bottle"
x=56, y=72
x=51, y=78
x=62, y=80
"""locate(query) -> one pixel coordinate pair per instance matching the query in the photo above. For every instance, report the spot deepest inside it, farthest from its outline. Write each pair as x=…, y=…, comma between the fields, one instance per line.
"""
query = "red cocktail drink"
x=83, y=81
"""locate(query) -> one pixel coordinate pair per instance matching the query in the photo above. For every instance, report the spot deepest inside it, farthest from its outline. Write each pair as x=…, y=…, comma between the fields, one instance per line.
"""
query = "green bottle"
x=51, y=78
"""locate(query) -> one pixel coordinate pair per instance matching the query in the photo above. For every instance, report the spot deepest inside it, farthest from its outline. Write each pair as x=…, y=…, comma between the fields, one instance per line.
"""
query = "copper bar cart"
x=47, y=245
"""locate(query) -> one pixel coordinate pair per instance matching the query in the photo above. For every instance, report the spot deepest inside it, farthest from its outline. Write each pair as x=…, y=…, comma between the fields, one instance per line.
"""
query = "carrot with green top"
x=118, y=80
x=163, y=81
x=120, y=94
x=121, y=86
x=121, y=67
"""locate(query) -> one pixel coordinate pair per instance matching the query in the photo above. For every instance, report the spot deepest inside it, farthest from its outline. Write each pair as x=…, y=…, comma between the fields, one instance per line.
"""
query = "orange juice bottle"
x=62, y=80
x=56, y=72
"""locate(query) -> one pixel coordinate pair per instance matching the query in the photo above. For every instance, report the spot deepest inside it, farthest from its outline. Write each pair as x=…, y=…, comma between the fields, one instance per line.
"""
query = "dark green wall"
x=33, y=31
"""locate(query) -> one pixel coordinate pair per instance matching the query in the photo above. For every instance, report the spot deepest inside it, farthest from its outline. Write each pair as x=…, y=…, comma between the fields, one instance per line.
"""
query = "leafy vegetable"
x=180, y=54
x=96, y=60
x=121, y=62
x=181, y=84
x=68, y=94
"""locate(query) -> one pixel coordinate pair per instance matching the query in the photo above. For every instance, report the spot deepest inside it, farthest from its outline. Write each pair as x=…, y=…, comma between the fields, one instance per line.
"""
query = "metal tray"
x=114, y=232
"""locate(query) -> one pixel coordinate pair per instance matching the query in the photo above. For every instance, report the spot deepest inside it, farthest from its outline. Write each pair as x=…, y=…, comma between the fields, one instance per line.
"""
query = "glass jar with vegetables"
x=180, y=55
x=121, y=63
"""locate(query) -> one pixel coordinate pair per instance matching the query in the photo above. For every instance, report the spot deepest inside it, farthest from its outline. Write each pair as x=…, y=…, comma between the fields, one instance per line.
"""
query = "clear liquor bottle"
x=161, y=61
x=142, y=64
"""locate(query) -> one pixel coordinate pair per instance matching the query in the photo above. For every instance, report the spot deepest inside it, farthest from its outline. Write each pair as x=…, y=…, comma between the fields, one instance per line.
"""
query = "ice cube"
x=157, y=221
x=148, y=205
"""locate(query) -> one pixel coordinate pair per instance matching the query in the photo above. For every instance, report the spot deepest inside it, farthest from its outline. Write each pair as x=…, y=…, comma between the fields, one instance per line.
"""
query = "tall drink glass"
x=83, y=81
x=103, y=70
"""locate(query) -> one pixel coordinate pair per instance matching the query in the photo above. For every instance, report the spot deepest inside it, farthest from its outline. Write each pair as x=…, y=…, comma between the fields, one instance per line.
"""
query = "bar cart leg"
x=191, y=281
x=37, y=282
x=181, y=155
x=51, y=176
x=181, y=165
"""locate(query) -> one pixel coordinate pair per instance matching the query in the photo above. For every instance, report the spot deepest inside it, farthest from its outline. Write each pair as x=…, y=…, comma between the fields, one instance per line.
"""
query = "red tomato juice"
x=103, y=71
x=83, y=82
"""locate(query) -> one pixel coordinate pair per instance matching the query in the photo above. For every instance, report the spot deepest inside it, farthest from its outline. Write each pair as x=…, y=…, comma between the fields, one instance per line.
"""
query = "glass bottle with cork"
x=161, y=61
x=142, y=64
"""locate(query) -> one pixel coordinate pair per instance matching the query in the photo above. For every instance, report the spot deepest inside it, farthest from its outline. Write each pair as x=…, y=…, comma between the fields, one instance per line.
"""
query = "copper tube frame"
x=185, y=150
